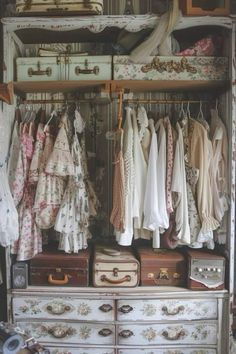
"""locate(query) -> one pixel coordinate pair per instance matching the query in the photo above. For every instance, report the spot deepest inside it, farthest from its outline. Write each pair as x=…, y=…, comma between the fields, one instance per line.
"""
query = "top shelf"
x=42, y=29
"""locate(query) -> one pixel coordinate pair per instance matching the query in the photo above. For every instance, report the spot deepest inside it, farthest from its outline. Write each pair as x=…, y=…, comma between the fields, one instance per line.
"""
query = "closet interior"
x=78, y=102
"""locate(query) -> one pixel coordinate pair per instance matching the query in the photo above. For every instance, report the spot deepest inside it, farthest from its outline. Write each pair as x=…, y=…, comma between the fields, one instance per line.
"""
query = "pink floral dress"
x=30, y=241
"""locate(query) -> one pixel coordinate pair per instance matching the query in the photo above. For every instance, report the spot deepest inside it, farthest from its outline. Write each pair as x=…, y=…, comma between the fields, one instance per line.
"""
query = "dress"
x=30, y=241
x=117, y=217
x=37, y=155
x=179, y=187
x=125, y=238
x=73, y=217
x=50, y=189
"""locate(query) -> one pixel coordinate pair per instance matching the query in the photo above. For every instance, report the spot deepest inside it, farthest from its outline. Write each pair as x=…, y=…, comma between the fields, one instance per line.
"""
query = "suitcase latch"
x=163, y=273
x=115, y=272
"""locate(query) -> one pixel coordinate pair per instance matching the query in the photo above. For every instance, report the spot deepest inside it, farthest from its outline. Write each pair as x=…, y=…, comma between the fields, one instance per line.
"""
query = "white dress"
x=151, y=205
x=180, y=188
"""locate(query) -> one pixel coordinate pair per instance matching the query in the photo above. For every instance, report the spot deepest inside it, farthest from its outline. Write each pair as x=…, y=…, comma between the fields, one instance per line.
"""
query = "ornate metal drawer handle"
x=126, y=278
x=172, y=312
x=174, y=336
x=173, y=352
x=59, y=332
x=106, y=308
x=126, y=333
x=86, y=70
x=105, y=332
x=125, y=309
x=58, y=281
x=38, y=72
x=58, y=309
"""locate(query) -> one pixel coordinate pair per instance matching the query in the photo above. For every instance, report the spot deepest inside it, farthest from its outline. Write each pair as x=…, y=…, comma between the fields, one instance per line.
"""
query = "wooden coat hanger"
x=7, y=93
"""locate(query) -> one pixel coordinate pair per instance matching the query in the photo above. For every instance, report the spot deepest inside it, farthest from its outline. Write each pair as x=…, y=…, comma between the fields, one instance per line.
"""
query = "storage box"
x=171, y=68
x=59, y=7
x=206, y=270
x=60, y=269
x=162, y=267
x=64, y=68
x=115, y=267
x=203, y=7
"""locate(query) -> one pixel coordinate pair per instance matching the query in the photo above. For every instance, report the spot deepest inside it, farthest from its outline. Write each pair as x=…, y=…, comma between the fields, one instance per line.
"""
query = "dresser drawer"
x=70, y=333
x=159, y=334
x=59, y=308
x=167, y=351
x=159, y=310
x=81, y=351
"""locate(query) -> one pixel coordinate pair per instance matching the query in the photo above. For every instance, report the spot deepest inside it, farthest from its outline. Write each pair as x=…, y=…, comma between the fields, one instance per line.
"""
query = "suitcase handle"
x=118, y=281
x=86, y=69
x=58, y=281
x=39, y=72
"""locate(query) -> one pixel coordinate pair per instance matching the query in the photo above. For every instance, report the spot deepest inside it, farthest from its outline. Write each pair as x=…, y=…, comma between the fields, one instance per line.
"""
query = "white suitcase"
x=59, y=7
x=40, y=69
x=171, y=68
x=64, y=68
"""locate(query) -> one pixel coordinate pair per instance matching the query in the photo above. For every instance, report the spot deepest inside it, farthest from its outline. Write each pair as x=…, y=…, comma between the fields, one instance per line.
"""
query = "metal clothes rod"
x=136, y=100
x=57, y=101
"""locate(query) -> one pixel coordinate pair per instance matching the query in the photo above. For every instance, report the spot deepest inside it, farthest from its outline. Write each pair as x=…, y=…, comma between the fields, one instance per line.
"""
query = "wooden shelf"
x=23, y=87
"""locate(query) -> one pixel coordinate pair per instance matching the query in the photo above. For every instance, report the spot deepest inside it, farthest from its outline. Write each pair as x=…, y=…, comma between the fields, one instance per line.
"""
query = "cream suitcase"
x=59, y=7
x=171, y=68
x=64, y=68
x=115, y=267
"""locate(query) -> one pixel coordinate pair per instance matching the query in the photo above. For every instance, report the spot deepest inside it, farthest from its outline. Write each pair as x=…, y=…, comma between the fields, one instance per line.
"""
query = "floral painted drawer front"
x=59, y=308
x=159, y=310
x=70, y=333
x=168, y=351
x=157, y=334
x=81, y=351
x=171, y=68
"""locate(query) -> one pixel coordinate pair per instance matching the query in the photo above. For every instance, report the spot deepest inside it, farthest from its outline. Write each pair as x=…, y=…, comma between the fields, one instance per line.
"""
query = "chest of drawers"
x=122, y=321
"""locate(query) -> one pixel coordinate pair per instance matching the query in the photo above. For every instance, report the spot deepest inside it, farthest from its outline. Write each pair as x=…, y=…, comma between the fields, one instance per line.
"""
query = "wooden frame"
x=210, y=7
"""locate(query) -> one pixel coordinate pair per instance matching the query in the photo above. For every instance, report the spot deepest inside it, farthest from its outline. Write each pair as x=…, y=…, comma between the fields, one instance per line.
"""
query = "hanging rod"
x=136, y=100
x=65, y=101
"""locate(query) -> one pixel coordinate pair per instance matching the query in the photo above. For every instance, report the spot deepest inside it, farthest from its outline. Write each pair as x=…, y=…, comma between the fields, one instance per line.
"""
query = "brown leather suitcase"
x=114, y=267
x=55, y=268
x=162, y=267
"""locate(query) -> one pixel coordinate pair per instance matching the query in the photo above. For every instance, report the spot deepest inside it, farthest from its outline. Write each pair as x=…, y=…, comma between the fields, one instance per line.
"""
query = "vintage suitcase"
x=206, y=270
x=96, y=67
x=115, y=267
x=59, y=7
x=60, y=269
x=162, y=267
x=171, y=68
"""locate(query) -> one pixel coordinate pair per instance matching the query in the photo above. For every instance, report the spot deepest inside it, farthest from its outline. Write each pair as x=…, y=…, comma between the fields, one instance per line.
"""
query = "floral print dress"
x=73, y=217
x=30, y=241
x=50, y=189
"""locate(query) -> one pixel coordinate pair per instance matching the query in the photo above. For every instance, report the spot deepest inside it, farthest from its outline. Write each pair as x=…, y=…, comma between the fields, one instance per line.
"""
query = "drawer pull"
x=105, y=332
x=58, y=281
x=38, y=72
x=58, y=309
x=106, y=308
x=174, y=335
x=126, y=333
x=60, y=332
x=86, y=70
x=127, y=278
x=125, y=309
x=172, y=312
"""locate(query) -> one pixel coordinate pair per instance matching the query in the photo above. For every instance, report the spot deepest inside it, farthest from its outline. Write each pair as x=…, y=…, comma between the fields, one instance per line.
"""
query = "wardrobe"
x=118, y=320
